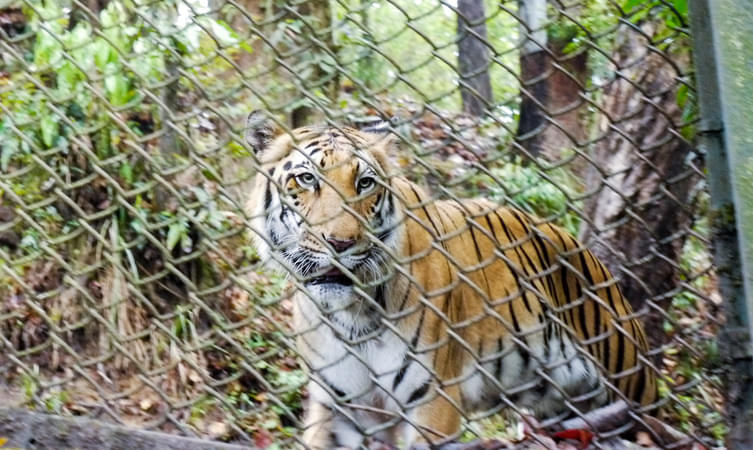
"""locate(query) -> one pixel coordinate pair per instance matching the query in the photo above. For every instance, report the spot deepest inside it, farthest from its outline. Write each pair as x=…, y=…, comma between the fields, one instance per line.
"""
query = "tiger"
x=411, y=312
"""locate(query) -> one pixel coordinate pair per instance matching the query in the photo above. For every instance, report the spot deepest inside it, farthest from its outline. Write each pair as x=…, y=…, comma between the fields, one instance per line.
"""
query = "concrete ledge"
x=30, y=430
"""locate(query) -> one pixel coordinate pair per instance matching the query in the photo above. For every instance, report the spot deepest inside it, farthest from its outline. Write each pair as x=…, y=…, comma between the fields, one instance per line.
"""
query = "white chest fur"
x=369, y=373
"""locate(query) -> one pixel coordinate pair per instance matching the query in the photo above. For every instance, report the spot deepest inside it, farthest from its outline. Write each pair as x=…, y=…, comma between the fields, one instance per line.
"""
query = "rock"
x=6, y=214
x=9, y=238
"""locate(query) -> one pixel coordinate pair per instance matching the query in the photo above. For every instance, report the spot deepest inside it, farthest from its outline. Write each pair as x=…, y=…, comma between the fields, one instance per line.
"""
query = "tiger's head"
x=322, y=207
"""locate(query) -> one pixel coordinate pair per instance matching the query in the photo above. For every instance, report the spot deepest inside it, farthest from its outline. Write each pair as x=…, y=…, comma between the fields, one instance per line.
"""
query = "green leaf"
x=47, y=50
x=116, y=86
x=201, y=195
x=571, y=47
x=682, y=95
x=188, y=40
x=68, y=77
x=49, y=129
x=137, y=226
x=109, y=16
x=49, y=11
x=628, y=5
x=209, y=175
x=29, y=241
x=80, y=35
x=10, y=147
x=247, y=48
x=131, y=31
x=682, y=7
x=215, y=220
x=186, y=243
x=221, y=31
x=174, y=234
x=640, y=14
x=126, y=172
x=102, y=52
x=672, y=20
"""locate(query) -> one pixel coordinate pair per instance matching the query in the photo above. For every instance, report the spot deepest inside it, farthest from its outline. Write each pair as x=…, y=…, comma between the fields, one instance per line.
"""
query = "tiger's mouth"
x=332, y=276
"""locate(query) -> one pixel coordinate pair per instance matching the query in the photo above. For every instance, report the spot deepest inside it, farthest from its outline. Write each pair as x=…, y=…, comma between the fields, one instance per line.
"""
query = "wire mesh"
x=138, y=286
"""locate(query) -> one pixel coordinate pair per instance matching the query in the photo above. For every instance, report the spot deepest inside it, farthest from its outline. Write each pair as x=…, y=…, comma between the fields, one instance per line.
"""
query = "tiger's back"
x=537, y=306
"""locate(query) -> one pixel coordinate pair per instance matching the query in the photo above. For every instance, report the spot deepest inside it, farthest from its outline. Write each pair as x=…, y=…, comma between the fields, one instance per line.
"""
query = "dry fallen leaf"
x=194, y=376
x=146, y=404
x=644, y=439
x=217, y=430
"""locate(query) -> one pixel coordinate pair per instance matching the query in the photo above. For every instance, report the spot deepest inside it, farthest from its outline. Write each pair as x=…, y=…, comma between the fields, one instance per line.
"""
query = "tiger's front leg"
x=317, y=433
x=326, y=429
x=436, y=421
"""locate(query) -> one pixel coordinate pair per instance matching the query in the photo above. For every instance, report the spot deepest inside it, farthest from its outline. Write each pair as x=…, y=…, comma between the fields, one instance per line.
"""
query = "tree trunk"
x=303, y=59
x=318, y=15
x=534, y=65
x=367, y=67
x=644, y=176
x=473, y=58
x=241, y=24
x=551, y=86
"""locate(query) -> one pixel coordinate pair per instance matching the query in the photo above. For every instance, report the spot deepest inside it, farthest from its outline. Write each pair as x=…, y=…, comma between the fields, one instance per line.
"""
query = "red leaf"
x=583, y=436
x=263, y=439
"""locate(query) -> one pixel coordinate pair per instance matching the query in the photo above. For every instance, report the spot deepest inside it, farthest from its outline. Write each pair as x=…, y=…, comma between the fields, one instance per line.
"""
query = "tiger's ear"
x=376, y=125
x=384, y=142
x=260, y=130
x=381, y=132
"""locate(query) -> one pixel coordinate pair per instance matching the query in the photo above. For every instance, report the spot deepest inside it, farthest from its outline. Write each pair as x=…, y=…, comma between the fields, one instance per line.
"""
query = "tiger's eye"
x=366, y=183
x=306, y=179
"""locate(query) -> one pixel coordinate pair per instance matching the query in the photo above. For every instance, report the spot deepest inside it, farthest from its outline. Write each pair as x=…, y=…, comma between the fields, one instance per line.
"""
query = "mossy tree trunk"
x=644, y=175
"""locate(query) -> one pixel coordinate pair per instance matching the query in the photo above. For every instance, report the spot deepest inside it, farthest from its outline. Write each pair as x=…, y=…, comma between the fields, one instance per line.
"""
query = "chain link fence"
x=132, y=290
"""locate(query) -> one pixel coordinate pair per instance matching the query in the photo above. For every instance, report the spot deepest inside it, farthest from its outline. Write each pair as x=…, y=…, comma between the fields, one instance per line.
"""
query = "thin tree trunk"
x=367, y=67
x=644, y=175
x=318, y=14
x=534, y=65
x=241, y=24
x=551, y=86
x=473, y=57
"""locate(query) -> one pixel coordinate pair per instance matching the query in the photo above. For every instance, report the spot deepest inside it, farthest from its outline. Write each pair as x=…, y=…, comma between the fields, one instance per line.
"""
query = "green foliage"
x=30, y=384
x=84, y=109
x=546, y=196
x=582, y=32
x=87, y=86
x=56, y=400
x=674, y=13
x=690, y=373
x=695, y=263
x=428, y=29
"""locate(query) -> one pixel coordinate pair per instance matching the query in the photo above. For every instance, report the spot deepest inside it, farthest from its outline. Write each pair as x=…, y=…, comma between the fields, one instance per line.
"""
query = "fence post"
x=722, y=33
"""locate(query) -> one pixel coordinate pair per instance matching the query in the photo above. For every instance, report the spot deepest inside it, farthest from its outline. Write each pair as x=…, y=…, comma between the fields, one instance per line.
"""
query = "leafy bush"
x=548, y=195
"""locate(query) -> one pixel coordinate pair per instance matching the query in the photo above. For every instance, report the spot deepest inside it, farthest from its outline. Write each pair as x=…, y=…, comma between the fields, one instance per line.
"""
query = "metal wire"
x=131, y=291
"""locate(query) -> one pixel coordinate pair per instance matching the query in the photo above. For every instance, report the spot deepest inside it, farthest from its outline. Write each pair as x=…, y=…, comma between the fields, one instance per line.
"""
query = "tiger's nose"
x=340, y=245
